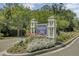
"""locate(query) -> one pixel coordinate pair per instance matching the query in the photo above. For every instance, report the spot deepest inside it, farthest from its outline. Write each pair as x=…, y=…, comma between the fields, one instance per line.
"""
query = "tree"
x=16, y=16
x=62, y=24
x=20, y=16
x=63, y=16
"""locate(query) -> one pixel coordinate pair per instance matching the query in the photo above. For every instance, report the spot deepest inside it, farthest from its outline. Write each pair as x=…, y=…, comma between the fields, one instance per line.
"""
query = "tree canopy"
x=17, y=17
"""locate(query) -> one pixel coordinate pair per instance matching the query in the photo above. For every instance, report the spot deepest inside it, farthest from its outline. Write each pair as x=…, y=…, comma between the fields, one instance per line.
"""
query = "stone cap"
x=41, y=24
x=33, y=19
x=51, y=17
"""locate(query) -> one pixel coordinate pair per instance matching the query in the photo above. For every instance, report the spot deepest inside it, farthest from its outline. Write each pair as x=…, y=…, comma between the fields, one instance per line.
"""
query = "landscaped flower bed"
x=18, y=48
x=37, y=43
x=66, y=36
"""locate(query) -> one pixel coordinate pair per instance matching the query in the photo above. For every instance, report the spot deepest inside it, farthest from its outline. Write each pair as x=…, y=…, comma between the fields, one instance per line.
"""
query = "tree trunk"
x=18, y=32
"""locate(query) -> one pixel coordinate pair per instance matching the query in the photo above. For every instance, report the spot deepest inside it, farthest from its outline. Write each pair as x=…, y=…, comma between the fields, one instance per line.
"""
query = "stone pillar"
x=51, y=28
x=33, y=26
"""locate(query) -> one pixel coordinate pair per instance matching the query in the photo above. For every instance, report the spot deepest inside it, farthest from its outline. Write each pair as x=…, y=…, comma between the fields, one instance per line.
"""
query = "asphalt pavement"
x=70, y=50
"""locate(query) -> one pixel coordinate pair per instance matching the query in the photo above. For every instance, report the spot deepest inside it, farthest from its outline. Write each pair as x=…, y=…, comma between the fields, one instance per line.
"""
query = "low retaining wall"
x=41, y=51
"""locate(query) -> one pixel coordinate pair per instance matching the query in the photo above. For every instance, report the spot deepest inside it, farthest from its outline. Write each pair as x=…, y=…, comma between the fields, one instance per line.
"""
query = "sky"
x=73, y=6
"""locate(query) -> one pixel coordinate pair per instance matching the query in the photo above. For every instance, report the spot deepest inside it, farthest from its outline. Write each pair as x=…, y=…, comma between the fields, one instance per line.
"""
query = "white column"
x=33, y=26
x=52, y=28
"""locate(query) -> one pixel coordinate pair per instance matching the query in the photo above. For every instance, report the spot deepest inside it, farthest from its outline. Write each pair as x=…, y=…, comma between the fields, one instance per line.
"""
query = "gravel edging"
x=5, y=53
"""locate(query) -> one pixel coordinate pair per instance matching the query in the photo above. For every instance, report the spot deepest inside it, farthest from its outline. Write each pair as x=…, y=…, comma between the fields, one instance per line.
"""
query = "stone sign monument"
x=48, y=29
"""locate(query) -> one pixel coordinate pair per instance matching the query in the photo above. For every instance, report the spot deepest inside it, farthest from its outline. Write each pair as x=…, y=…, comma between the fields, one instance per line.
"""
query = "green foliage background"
x=16, y=16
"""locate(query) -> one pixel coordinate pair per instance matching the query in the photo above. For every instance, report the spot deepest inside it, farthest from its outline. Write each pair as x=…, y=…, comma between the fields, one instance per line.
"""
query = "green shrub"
x=18, y=48
x=1, y=35
x=60, y=38
x=63, y=37
x=27, y=40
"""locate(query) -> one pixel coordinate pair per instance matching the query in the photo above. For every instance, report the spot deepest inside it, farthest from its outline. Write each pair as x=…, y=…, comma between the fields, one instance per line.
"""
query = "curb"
x=41, y=51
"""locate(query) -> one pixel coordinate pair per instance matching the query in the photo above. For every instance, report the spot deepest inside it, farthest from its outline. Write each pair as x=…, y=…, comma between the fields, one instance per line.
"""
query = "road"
x=71, y=50
x=7, y=42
